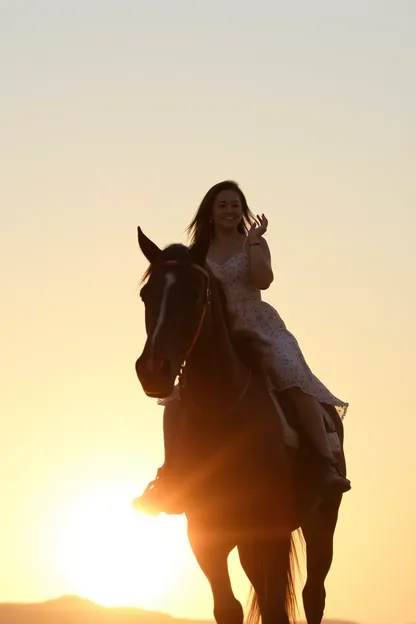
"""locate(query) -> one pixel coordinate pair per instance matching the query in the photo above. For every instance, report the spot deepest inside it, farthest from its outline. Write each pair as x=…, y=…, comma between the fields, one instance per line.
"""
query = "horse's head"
x=176, y=296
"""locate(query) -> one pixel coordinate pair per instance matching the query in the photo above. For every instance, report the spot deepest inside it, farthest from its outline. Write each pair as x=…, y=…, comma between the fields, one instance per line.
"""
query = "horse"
x=241, y=486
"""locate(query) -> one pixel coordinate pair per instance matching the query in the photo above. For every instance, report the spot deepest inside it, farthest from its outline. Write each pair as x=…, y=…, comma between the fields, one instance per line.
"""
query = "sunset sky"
x=120, y=113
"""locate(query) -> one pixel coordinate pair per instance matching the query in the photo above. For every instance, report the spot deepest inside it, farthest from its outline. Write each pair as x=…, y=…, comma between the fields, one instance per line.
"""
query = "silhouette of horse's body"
x=241, y=485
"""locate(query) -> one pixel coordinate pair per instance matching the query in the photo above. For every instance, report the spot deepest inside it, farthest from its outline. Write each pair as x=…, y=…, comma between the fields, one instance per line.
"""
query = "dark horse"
x=241, y=485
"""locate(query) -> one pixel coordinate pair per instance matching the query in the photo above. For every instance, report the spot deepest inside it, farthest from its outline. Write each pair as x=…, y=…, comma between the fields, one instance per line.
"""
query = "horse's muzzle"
x=155, y=376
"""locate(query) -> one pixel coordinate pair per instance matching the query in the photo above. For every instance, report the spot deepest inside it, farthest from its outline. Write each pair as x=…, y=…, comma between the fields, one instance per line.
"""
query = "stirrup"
x=154, y=501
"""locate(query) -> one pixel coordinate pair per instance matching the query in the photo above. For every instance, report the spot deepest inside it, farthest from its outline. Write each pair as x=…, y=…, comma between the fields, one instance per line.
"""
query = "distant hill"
x=76, y=610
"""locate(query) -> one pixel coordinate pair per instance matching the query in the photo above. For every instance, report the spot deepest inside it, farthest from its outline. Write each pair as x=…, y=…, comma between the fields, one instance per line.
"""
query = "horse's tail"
x=254, y=612
x=293, y=572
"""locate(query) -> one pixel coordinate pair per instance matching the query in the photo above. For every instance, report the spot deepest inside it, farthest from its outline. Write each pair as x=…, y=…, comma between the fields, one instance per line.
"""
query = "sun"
x=110, y=553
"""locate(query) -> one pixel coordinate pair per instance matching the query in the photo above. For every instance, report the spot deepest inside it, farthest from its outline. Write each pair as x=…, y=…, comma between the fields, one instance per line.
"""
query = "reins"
x=206, y=306
x=205, y=309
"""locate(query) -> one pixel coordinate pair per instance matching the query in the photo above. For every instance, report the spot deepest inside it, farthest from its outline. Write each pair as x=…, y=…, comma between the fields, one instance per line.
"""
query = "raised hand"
x=258, y=228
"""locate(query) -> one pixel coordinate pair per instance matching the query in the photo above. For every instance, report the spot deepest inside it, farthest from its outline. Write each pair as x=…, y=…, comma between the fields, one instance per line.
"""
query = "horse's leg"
x=267, y=566
x=318, y=531
x=212, y=557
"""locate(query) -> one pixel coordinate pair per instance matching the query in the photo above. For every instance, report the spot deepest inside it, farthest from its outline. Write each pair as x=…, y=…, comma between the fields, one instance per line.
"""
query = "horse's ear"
x=199, y=250
x=150, y=250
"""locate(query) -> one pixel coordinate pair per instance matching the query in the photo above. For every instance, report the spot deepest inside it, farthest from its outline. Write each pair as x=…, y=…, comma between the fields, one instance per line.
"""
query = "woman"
x=240, y=257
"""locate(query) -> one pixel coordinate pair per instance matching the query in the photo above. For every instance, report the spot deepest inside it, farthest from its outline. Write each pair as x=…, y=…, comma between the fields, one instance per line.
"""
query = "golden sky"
x=115, y=114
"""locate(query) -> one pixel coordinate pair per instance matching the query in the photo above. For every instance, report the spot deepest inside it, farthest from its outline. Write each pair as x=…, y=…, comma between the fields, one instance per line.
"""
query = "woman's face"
x=227, y=210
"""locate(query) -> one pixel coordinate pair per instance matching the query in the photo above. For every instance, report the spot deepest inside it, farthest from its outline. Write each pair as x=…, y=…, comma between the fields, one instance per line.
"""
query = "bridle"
x=206, y=306
x=196, y=336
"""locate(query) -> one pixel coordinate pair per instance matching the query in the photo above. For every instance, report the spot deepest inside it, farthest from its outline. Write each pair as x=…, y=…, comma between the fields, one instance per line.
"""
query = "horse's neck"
x=215, y=373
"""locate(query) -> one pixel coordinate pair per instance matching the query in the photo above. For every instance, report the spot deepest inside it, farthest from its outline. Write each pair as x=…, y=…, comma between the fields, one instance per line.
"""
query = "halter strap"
x=193, y=266
x=197, y=334
x=204, y=309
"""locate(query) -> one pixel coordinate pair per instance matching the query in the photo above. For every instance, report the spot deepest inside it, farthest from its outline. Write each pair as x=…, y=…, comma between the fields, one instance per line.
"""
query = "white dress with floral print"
x=288, y=363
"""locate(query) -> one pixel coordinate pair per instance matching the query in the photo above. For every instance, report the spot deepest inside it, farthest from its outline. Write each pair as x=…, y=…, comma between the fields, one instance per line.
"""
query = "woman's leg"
x=161, y=495
x=171, y=431
x=309, y=411
x=310, y=414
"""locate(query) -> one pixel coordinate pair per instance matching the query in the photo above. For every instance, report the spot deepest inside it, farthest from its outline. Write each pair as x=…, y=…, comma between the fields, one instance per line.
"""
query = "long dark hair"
x=201, y=226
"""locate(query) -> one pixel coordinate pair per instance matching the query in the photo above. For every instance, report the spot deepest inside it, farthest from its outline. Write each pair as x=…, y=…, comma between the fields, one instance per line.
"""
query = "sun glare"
x=111, y=554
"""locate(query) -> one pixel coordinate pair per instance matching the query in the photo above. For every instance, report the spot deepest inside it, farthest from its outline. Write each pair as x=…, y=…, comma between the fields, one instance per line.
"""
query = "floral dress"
x=285, y=356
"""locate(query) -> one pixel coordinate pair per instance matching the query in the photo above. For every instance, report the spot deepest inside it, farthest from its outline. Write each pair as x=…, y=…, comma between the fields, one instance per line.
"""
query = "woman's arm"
x=261, y=272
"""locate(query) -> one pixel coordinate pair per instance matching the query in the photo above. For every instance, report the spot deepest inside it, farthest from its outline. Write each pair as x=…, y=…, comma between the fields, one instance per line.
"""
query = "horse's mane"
x=248, y=345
